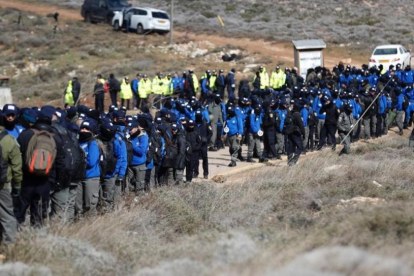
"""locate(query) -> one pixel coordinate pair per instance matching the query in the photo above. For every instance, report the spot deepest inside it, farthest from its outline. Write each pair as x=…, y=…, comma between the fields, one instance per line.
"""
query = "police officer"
x=255, y=133
x=233, y=129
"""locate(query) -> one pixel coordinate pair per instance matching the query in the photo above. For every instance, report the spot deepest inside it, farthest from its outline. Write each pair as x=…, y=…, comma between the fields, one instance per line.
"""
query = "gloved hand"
x=15, y=192
x=118, y=182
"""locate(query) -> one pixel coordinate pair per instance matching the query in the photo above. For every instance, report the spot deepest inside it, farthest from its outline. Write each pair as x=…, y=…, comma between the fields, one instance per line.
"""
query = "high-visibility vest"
x=264, y=79
x=158, y=85
x=277, y=80
x=167, y=89
x=69, y=95
x=195, y=81
x=213, y=83
x=126, y=91
x=144, y=88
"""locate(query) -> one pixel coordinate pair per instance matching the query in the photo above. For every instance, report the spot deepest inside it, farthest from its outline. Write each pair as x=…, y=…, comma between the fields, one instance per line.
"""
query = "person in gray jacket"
x=345, y=124
x=214, y=109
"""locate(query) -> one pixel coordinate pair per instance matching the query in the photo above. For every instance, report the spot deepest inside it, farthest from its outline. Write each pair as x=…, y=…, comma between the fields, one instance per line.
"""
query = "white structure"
x=5, y=92
x=308, y=54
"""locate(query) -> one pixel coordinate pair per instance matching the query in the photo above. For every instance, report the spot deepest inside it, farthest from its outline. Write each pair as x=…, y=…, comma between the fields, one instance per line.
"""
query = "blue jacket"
x=407, y=77
x=204, y=87
x=343, y=79
x=305, y=115
x=317, y=105
x=356, y=109
x=235, y=126
x=140, y=146
x=177, y=83
x=255, y=122
x=93, y=155
x=282, y=116
x=120, y=153
x=16, y=131
x=382, y=104
x=373, y=80
x=231, y=85
x=400, y=101
x=135, y=85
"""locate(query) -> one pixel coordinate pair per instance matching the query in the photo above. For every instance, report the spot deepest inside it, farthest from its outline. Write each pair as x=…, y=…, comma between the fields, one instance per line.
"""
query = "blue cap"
x=162, y=128
x=88, y=125
x=108, y=125
x=174, y=127
x=119, y=114
x=30, y=115
x=132, y=124
x=158, y=120
x=10, y=109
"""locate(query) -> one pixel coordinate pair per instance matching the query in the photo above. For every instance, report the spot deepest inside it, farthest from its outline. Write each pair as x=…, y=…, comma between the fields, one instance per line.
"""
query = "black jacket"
x=205, y=132
x=57, y=173
x=114, y=86
x=76, y=88
x=332, y=113
x=179, y=141
x=297, y=122
x=193, y=137
x=269, y=121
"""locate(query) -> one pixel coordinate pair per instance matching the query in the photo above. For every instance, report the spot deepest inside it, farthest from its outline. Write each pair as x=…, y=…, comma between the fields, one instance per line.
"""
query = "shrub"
x=32, y=41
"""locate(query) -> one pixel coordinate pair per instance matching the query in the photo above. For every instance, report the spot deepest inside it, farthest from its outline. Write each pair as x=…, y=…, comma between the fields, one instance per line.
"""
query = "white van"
x=142, y=20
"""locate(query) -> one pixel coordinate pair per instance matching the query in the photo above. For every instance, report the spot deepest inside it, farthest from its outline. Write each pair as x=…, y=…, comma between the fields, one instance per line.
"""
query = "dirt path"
x=276, y=51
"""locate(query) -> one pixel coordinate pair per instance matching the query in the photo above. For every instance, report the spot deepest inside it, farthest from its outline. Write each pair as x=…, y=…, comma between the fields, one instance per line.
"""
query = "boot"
x=241, y=158
x=250, y=160
x=333, y=147
x=262, y=160
x=232, y=164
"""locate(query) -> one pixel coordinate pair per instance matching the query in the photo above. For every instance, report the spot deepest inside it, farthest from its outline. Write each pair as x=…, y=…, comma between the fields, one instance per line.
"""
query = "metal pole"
x=171, y=22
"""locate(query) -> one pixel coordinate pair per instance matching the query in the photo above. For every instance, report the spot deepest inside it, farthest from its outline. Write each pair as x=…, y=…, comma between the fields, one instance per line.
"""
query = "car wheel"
x=88, y=18
x=116, y=26
x=140, y=29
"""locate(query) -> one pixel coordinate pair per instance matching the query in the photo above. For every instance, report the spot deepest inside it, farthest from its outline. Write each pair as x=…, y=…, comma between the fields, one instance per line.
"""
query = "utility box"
x=5, y=91
x=308, y=54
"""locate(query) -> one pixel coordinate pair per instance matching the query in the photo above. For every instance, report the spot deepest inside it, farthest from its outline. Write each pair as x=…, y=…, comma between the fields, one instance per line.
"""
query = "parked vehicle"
x=142, y=20
x=94, y=11
x=390, y=54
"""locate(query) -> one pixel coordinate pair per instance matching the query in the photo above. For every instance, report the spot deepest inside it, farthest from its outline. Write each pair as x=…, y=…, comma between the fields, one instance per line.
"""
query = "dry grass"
x=253, y=227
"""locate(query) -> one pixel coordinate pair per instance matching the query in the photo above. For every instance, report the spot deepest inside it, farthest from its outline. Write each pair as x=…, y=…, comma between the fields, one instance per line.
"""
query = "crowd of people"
x=69, y=163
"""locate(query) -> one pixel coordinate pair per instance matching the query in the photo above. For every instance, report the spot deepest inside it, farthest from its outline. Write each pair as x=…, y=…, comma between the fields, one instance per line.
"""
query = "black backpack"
x=78, y=157
x=154, y=149
x=71, y=149
x=107, y=160
x=312, y=119
x=288, y=127
x=4, y=165
x=170, y=156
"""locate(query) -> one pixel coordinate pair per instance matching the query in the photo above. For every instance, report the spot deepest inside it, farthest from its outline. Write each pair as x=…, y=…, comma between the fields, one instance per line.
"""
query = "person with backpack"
x=169, y=153
x=295, y=131
x=331, y=120
x=184, y=150
x=60, y=191
x=154, y=155
x=137, y=169
x=270, y=124
x=87, y=194
x=193, y=137
x=205, y=132
x=10, y=185
x=116, y=163
x=38, y=145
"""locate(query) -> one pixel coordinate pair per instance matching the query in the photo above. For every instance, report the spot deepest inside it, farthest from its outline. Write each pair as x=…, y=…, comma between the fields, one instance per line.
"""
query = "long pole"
x=171, y=22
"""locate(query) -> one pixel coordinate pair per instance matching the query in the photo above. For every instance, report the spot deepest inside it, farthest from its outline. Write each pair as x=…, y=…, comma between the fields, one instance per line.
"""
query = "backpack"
x=154, y=149
x=129, y=147
x=170, y=156
x=79, y=158
x=107, y=161
x=70, y=149
x=277, y=120
x=41, y=153
x=354, y=83
x=288, y=127
x=312, y=119
x=4, y=165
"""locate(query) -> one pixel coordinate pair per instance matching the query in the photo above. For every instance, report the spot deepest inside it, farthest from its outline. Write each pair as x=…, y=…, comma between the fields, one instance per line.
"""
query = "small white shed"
x=308, y=54
x=5, y=91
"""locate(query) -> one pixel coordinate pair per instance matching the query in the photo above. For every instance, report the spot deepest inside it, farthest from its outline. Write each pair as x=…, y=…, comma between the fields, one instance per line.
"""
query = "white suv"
x=390, y=54
x=142, y=20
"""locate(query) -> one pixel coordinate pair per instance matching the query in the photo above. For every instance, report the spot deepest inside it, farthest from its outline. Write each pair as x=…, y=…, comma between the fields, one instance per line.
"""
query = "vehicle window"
x=386, y=51
x=102, y=4
x=118, y=3
x=142, y=12
x=160, y=15
x=401, y=51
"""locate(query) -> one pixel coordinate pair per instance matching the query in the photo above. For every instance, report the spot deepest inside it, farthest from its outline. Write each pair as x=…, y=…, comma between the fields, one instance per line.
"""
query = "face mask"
x=198, y=118
x=217, y=101
x=9, y=125
x=257, y=112
x=107, y=134
x=85, y=136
